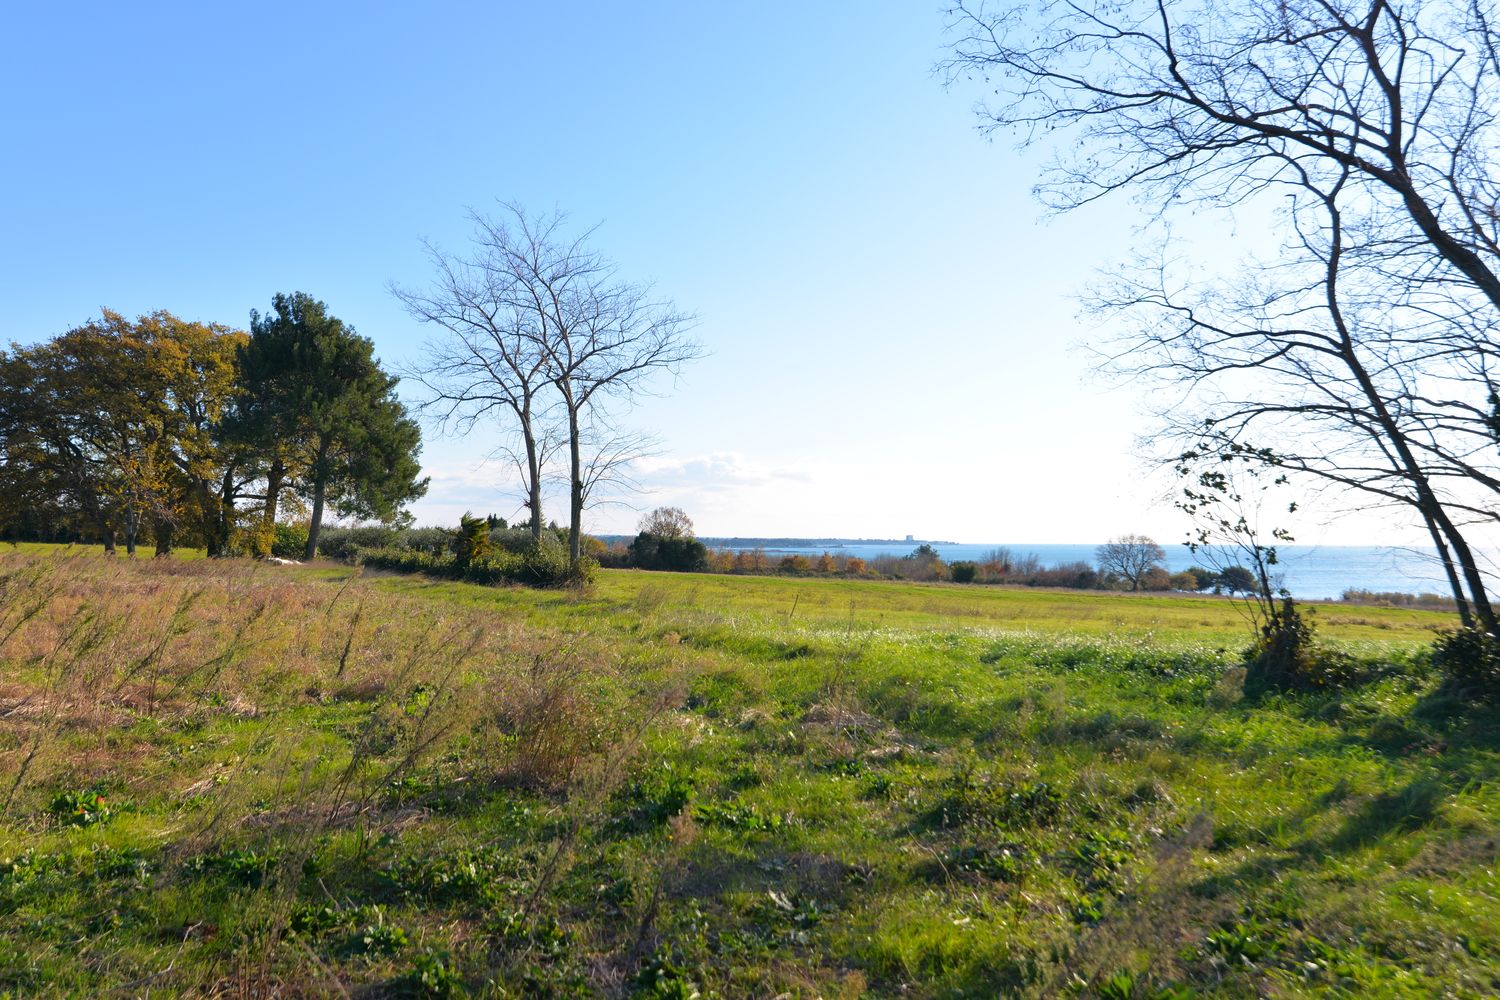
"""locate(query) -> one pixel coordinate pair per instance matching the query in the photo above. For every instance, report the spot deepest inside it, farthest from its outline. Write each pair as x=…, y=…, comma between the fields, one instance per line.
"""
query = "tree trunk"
x=163, y=538
x=534, y=470
x=320, y=487
x=275, y=479
x=575, y=476
x=316, y=524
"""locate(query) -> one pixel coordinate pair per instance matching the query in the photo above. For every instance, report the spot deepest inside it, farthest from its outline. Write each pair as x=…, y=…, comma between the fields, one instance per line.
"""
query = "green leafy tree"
x=314, y=387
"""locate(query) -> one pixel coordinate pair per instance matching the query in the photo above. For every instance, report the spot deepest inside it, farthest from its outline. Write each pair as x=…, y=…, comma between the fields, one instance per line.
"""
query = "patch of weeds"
x=655, y=798
x=476, y=876
x=81, y=809
x=1089, y=908
x=1127, y=985
x=239, y=865
x=379, y=937
x=878, y=788
x=1004, y=863
x=311, y=921
x=659, y=979
x=1247, y=941
x=1102, y=856
x=739, y=816
x=431, y=975
x=31, y=872
x=967, y=798
x=543, y=937
x=118, y=863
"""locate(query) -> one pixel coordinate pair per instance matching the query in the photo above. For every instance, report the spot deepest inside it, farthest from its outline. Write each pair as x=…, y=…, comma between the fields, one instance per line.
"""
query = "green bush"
x=290, y=540
x=682, y=554
x=344, y=543
x=472, y=545
x=543, y=566
x=964, y=571
x=1470, y=659
x=1288, y=657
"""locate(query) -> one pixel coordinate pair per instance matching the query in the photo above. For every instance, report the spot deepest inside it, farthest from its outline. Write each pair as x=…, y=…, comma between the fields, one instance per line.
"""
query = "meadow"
x=223, y=778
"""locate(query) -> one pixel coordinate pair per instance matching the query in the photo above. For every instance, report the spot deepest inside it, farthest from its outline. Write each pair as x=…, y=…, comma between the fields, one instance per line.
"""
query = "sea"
x=1309, y=572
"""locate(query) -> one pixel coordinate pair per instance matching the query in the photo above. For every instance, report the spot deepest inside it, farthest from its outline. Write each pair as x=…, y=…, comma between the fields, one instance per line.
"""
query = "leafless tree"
x=603, y=339
x=489, y=362
x=1362, y=354
x=537, y=309
x=1130, y=557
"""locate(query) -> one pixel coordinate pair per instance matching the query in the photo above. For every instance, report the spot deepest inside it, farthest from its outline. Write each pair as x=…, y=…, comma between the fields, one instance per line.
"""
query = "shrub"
x=543, y=566
x=433, y=541
x=1287, y=656
x=472, y=544
x=682, y=554
x=796, y=564
x=290, y=541
x=345, y=543
x=964, y=571
x=1470, y=658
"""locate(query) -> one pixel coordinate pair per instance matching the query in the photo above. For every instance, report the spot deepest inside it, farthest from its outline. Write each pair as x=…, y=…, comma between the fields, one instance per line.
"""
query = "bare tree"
x=535, y=309
x=1131, y=557
x=1361, y=354
x=490, y=361
x=603, y=338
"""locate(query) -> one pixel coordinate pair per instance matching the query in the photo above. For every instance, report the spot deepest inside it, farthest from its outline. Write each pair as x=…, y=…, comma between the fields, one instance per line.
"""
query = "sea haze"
x=1311, y=572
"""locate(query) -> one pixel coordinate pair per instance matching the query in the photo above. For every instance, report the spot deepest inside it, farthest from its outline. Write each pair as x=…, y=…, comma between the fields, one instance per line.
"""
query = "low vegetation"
x=231, y=778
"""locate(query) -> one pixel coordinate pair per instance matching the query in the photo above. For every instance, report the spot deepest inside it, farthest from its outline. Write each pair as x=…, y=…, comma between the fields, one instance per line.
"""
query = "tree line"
x=168, y=432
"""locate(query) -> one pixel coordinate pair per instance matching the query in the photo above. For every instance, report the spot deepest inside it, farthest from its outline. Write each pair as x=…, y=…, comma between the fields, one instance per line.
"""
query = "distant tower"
x=910, y=538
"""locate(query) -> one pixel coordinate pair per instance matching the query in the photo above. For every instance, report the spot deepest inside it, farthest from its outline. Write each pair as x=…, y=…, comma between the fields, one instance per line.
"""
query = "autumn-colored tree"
x=194, y=368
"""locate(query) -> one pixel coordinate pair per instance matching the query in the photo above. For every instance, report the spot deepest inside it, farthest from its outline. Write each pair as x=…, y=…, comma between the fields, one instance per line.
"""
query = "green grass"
x=731, y=786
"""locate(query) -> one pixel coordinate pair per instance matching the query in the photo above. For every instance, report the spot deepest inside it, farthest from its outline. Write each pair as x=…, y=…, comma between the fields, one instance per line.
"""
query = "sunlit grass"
x=325, y=783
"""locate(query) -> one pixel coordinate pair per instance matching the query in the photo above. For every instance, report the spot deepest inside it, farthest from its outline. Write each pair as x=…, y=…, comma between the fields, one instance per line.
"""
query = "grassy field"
x=220, y=778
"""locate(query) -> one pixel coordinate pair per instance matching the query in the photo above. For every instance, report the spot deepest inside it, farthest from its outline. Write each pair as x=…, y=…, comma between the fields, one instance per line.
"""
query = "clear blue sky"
x=891, y=321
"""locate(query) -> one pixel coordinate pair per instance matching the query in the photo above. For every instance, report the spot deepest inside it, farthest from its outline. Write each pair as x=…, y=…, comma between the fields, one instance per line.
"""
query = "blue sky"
x=891, y=320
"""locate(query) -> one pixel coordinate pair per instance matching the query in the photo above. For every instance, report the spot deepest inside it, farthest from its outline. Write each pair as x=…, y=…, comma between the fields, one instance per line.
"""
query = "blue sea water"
x=1311, y=572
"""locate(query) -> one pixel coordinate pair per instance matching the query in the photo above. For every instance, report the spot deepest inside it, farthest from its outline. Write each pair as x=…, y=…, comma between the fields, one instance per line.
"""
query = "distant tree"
x=1237, y=580
x=678, y=553
x=667, y=522
x=321, y=394
x=1203, y=579
x=1185, y=580
x=197, y=367
x=796, y=564
x=1156, y=578
x=1130, y=557
x=964, y=571
x=825, y=563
